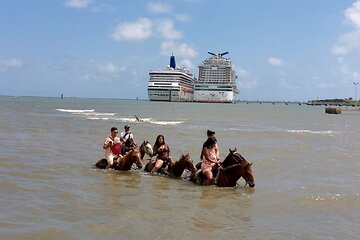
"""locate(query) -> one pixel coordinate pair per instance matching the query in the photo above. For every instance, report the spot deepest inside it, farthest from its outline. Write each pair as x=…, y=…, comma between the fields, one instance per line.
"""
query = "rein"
x=231, y=166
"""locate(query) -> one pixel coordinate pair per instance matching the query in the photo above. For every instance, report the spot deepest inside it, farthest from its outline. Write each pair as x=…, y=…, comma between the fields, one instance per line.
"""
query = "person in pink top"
x=210, y=158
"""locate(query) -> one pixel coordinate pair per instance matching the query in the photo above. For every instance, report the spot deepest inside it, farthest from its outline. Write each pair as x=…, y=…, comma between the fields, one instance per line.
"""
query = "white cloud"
x=242, y=73
x=167, y=31
x=347, y=75
x=349, y=42
x=78, y=3
x=245, y=79
x=277, y=62
x=187, y=64
x=138, y=30
x=183, y=17
x=178, y=49
x=110, y=68
x=323, y=85
x=159, y=7
x=286, y=84
x=353, y=14
x=5, y=64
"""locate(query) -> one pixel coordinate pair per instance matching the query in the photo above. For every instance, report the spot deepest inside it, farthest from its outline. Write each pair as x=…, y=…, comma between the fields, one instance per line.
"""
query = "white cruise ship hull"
x=170, y=94
x=214, y=93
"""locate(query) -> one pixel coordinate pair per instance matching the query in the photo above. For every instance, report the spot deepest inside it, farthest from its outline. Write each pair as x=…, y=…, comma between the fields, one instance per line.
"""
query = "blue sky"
x=280, y=49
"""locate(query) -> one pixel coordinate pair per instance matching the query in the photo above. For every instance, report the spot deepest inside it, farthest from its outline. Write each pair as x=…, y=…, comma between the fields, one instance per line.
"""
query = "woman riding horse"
x=174, y=169
x=231, y=170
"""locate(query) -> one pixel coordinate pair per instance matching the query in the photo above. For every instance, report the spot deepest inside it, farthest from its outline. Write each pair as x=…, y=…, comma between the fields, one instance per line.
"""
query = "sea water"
x=305, y=163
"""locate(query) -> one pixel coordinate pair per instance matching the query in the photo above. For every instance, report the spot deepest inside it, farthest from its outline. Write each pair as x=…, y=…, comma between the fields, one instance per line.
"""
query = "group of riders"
x=115, y=147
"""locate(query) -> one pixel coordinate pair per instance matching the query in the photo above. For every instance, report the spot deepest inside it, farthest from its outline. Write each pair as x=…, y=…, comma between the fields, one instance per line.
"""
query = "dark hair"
x=157, y=143
x=209, y=142
x=209, y=133
x=126, y=126
x=113, y=129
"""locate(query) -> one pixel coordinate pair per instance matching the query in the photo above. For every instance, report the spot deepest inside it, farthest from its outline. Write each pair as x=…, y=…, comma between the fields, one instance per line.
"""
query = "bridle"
x=233, y=166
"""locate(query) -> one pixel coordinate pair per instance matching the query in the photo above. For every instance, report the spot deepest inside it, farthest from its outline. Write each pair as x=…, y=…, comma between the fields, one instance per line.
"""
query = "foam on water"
x=305, y=131
x=75, y=110
x=143, y=120
x=90, y=114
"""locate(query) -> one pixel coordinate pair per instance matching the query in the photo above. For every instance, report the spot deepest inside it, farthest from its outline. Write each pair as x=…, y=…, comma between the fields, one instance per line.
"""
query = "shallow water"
x=306, y=166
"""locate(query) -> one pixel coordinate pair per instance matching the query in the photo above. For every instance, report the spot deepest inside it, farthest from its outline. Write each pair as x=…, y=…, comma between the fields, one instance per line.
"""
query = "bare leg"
x=157, y=166
x=209, y=177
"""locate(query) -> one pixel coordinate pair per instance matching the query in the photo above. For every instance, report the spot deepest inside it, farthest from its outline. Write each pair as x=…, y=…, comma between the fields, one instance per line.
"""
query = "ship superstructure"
x=216, y=82
x=172, y=84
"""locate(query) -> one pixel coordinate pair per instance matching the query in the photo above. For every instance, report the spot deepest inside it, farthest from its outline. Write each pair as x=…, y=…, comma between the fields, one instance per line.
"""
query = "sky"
x=281, y=50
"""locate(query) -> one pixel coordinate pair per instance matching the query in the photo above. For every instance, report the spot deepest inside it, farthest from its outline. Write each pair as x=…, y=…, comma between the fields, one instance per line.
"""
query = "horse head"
x=146, y=148
x=178, y=167
x=236, y=160
x=248, y=175
x=188, y=162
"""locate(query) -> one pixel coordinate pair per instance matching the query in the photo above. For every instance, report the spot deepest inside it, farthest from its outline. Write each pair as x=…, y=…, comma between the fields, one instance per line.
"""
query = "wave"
x=279, y=130
x=173, y=122
x=143, y=120
x=95, y=114
x=98, y=118
x=304, y=131
x=75, y=110
x=85, y=112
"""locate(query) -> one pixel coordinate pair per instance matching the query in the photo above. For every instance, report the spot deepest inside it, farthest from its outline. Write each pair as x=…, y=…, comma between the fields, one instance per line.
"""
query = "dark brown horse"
x=231, y=170
x=174, y=169
x=123, y=163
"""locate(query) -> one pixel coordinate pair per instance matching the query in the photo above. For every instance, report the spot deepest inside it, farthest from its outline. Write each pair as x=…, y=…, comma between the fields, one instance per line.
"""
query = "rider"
x=209, y=134
x=127, y=139
x=209, y=158
x=111, y=145
x=162, y=153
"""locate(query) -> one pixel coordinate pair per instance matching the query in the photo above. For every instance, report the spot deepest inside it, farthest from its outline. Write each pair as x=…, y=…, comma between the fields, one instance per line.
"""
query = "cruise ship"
x=216, y=82
x=172, y=84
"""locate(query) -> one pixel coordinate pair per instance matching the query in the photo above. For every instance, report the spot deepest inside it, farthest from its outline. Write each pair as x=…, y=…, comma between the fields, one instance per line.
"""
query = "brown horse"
x=231, y=170
x=174, y=169
x=123, y=163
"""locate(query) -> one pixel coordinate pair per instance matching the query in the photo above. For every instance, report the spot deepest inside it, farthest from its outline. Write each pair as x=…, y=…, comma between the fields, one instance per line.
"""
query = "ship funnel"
x=172, y=62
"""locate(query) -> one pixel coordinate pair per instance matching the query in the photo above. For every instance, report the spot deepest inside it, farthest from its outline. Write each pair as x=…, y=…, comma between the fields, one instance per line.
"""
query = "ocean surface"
x=306, y=165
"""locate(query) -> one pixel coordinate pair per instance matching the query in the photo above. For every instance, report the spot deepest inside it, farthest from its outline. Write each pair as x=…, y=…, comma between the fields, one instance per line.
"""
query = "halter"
x=229, y=167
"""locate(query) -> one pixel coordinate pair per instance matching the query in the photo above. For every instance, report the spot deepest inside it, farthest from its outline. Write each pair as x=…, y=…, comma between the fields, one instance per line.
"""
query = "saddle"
x=200, y=177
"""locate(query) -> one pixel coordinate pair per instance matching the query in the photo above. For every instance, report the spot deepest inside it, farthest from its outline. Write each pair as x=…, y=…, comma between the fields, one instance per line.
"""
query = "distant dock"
x=272, y=102
x=334, y=103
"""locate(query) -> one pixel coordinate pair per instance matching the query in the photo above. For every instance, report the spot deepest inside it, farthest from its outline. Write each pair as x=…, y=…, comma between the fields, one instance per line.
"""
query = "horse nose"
x=252, y=185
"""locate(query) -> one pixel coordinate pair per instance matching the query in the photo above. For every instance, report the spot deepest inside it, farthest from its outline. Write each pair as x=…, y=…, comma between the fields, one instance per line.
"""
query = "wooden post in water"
x=333, y=110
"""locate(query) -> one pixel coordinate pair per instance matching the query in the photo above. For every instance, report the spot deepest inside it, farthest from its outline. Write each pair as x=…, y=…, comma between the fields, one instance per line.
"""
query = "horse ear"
x=251, y=164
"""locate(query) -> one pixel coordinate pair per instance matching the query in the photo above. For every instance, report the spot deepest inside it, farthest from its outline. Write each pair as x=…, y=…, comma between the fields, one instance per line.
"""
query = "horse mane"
x=234, y=158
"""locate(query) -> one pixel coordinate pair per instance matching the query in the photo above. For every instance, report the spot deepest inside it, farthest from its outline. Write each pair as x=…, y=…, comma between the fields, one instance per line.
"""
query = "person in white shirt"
x=127, y=140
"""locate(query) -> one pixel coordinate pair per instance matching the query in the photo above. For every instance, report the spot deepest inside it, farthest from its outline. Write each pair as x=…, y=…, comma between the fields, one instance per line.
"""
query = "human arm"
x=217, y=152
x=107, y=143
x=163, y=152
x=208, y=156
